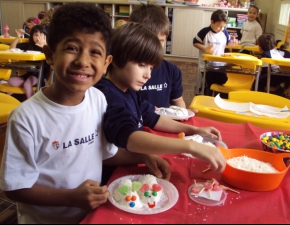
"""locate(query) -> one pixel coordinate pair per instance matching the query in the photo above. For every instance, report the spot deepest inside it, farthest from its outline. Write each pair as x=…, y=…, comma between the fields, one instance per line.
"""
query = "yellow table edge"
x=22, y=56
x=232, y=117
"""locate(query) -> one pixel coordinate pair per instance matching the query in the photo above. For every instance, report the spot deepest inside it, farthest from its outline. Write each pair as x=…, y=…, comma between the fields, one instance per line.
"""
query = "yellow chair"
x=7, y=104
x=4, y=47
x=240, y=68
x=207, y=108
x=236, y=82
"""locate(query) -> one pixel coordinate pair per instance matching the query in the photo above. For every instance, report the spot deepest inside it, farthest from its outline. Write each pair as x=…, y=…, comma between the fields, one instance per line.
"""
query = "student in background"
x=164, y=88
x=55, y=146
x=28, y=24
x=47, y=18
x=136, y=51
x=119, y=23
x=251, y=30
x=37, y=40
x=213, y=40
x=267, y=45
x=40, y=16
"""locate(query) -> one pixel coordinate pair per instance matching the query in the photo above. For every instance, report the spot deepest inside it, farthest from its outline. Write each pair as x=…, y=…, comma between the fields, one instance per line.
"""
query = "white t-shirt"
x=250, y=31
x=207, y=37
x=55, y=146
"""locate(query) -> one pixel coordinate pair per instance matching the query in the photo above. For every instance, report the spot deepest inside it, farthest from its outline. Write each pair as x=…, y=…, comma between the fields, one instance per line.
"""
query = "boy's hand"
x=210, y=49
x=209, y=132
x=158, y=166
x=89, y=195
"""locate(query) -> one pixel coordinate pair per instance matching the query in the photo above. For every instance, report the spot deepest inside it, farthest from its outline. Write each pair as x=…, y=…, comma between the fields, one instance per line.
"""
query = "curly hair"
x=78, y=16
x=47, y=17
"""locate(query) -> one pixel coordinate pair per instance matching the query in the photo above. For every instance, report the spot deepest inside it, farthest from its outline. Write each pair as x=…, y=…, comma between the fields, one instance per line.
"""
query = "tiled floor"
x=189, y=71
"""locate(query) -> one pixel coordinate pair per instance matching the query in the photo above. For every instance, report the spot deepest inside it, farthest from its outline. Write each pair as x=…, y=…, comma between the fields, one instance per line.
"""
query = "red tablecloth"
x=246, y=207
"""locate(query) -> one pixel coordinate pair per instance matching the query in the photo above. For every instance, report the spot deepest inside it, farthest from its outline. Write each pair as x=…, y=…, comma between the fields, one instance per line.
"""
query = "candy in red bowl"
x=276, y=142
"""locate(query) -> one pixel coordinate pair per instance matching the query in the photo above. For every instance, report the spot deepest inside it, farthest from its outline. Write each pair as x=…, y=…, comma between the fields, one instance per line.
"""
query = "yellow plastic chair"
x=247, y=67
x=236, y=82
x=7, y=104
x=4, y=47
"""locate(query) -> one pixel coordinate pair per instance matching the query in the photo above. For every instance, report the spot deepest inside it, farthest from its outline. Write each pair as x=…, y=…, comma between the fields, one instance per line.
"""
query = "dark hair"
x=258, y=11
x=218, y=16
x=133, y=42
x=78, y=16
x=152, y=17
x=41, y=15
x=267, y=42
x=34, y=29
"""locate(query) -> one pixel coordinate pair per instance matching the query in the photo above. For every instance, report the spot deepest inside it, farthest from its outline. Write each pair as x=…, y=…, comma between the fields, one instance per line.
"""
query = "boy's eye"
x=96, y=52
x=71, y=48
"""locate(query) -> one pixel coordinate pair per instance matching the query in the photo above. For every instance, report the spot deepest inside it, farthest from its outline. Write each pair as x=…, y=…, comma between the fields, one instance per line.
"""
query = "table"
x=234, y=63
x=11, y=39
x=233, y=47
x=246, y=207
x=207, y=108
x=284, y=65
x=19, y=61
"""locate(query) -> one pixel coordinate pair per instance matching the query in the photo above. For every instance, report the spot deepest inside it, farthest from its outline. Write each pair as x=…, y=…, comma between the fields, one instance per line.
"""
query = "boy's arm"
x=88, y=195
x=141, y=142
x=207, y=49
x=178, y=102
x=158, y=166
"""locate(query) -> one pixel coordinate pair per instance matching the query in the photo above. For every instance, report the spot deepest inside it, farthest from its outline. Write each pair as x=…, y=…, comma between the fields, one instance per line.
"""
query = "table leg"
x=40, y=74
x=203, y=78
x=257, y=78
x=268, y=78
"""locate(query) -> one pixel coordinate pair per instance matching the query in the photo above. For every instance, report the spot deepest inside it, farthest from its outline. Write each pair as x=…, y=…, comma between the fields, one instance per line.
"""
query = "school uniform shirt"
x=273, y=54
x=208, y=36
x=127, y=112
x=164, y=85
x=55, y=146
x=251, y=31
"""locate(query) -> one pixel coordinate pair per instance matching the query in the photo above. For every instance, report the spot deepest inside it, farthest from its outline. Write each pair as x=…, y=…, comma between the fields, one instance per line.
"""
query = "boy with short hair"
x=128, y=112
x=213, y=40
x=52, y=161
x=164, y=88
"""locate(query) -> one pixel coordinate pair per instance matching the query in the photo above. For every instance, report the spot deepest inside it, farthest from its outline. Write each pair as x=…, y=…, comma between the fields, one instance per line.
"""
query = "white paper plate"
x=168, y=189
x=190, y=114
x=207, y=139
x=33, y=52
x=15, y=50
x=206, y=201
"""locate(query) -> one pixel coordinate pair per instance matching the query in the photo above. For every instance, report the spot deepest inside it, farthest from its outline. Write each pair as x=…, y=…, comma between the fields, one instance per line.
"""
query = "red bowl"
x=269, y=145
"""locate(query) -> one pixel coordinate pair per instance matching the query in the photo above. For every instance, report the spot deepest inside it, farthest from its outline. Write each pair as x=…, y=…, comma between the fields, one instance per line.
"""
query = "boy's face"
x=217, y=26
x=79, y=61
x=133, y=76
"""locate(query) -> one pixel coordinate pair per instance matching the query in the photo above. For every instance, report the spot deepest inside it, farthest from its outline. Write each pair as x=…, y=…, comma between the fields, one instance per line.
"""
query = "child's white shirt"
x=251, y=31
x=54, y=146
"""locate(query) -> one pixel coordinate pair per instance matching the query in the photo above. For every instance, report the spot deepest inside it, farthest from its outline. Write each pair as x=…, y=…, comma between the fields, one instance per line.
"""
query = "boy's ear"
x=48, y=54
x=108, y=61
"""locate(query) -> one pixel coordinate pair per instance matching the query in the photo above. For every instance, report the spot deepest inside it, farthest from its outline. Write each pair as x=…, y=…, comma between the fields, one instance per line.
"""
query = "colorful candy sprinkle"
x=276, y=141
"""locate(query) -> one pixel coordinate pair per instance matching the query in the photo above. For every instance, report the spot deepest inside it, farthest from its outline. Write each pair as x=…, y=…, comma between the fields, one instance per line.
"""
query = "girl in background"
x=47, y=18
x=268, y=48
x=28, y=25
x=251, y=30
x=36, y=42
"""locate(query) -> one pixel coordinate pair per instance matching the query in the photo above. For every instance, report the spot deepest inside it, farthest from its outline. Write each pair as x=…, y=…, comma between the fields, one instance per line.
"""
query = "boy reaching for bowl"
x=127, y=112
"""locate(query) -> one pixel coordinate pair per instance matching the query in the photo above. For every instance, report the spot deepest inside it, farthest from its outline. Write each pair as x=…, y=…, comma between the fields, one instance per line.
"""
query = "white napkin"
x=256, y=109
x=14, y=50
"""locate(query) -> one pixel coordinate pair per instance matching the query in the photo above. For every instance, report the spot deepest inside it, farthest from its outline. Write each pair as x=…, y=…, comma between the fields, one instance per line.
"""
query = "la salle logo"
x=55, y=145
